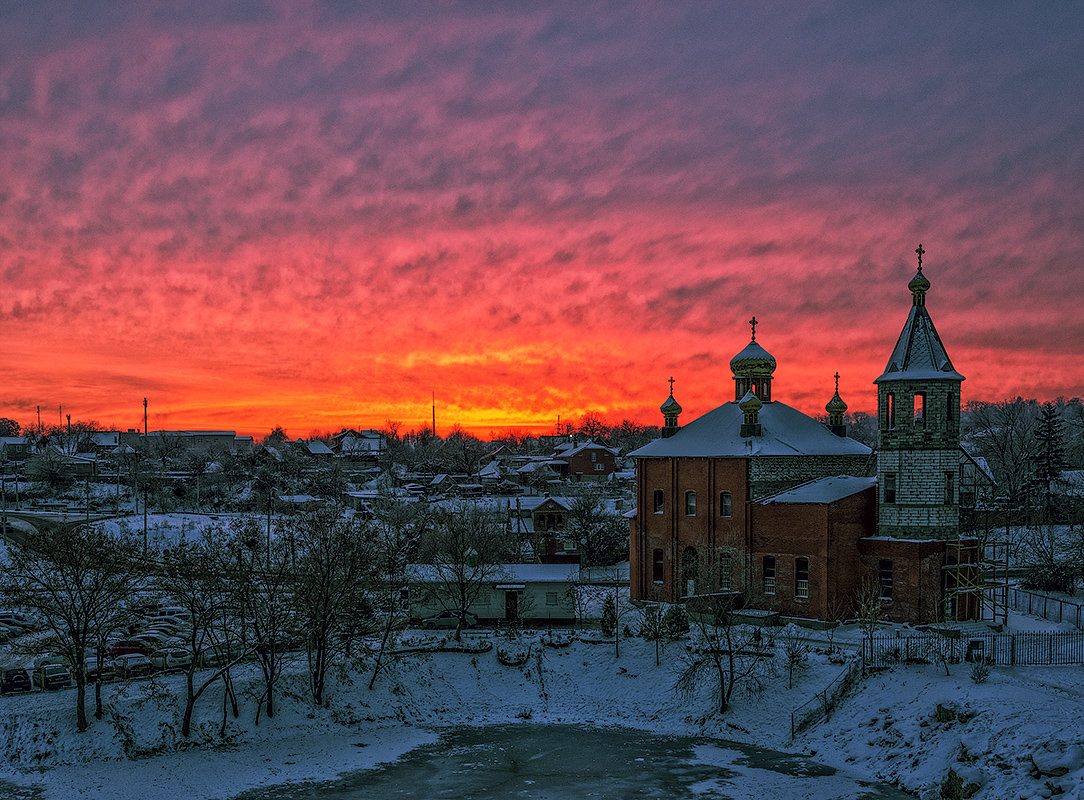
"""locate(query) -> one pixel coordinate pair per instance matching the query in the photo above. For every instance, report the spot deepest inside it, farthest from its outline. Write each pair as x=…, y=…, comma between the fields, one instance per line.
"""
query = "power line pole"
x=146, y=444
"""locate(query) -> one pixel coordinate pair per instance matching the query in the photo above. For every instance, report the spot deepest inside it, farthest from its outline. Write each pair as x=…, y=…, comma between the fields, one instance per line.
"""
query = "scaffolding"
x=976, y=580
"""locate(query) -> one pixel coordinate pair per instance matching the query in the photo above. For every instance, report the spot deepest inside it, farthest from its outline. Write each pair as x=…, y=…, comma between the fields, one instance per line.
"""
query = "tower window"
x=948, y=407
x=801, y=577
x=658, y=501
x=920, y=409
x=656, y=566
x=884, y=575
x=769, y=575
x=690, y=504
x=890, y=411
x=890, y=487
x=725, y=506
x=950, y=488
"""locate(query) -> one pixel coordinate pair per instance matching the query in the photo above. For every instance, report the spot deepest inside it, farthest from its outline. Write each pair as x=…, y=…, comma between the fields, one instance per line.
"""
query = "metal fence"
x=1004, y=649
x=819, y=706
x=1055, y=609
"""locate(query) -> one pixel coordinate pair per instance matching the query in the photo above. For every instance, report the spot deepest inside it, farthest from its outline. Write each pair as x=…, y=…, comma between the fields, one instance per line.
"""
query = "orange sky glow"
x=317, y=215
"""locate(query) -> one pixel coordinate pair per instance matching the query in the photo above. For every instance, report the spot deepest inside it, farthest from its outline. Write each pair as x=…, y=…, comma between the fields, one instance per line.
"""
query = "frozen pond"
x=558, y=762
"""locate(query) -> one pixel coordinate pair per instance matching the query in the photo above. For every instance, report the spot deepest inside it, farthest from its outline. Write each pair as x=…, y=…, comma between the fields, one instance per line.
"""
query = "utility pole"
x=434, y=415
x=146, y=444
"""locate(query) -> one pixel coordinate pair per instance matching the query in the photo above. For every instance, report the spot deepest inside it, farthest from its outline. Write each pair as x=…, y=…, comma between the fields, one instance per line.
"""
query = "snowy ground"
x=886, y=729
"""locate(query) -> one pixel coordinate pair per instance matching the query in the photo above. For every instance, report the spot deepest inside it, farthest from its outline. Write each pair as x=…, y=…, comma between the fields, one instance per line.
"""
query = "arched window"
x=725, y=509
x=801, y=577
x=658, y=501
x=690, y=504
x=769, y=575
x=920, y=409
x=690, y=571
x=890, y=411
x=656, y=566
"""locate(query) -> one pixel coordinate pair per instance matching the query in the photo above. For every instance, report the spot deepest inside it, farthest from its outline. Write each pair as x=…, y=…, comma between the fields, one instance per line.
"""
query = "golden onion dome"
x=836, y=405
x=919, y=283
x=670, y=406
x=753, y=362
x=750, y=403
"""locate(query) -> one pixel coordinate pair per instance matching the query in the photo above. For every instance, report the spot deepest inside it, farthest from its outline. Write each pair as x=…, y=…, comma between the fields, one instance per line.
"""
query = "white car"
x=171, y=658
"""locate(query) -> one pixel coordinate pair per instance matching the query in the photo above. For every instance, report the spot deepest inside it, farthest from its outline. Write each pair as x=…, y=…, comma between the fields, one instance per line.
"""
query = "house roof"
x=822, y=490
x=785, y=431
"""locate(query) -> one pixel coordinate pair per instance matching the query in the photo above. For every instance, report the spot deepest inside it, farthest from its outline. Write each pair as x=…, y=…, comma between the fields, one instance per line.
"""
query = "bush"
x=980, y=671
x=609, y=616
x=1056, y=577
x=675, y=622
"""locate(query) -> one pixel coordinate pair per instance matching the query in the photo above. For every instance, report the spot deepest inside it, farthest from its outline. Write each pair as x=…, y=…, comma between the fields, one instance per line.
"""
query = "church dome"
x=753, y=362
x=750, y=403
x=919, y=283
x=836, y=405
x=670, y=406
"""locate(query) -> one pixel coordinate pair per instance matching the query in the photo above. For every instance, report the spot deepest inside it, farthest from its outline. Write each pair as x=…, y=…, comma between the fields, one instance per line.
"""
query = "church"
x=789, y=514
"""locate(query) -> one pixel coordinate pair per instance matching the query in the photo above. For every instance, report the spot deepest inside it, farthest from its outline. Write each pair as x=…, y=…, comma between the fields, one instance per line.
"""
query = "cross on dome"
x=920, y=252
x=753, y=322
x=837, y=382
x=671, y=384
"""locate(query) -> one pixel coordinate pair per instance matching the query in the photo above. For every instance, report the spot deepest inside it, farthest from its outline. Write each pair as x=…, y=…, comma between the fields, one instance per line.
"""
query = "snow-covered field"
x=887, y=728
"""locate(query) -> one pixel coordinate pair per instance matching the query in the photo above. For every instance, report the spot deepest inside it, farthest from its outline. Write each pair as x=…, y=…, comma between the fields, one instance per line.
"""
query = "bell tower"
x=918, y=420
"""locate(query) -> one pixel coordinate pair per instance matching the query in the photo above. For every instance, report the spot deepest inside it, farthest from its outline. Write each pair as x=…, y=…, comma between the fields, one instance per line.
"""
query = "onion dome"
x=836, y=404
x=753, y=362
x=750, y=404
x=919, y=283
x=670, y=407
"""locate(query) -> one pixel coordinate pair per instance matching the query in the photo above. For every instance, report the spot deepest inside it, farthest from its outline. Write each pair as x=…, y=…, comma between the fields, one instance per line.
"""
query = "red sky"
x=259, y=213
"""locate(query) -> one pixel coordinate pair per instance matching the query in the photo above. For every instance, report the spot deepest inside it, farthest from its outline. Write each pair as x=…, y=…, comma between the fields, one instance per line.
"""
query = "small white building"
x=539, y=593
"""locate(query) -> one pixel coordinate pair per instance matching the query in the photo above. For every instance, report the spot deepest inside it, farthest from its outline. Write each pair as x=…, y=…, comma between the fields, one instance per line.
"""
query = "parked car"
x=14, y=679
x=181, y=614
x=126, y=646
x=99, y=670
x=13, y=619
x=171, y=658
x=52, y=676
x=133, y=665
x=449, y=619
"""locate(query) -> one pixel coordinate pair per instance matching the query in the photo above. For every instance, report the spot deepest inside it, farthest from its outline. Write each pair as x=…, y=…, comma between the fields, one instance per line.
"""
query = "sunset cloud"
x=261, y=213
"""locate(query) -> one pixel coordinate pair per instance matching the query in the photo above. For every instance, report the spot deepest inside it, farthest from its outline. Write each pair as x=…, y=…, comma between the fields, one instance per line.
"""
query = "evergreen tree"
x=1049, y=454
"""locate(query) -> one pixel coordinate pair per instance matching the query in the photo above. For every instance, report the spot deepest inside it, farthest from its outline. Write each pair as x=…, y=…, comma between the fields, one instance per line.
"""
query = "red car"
x=126, y=646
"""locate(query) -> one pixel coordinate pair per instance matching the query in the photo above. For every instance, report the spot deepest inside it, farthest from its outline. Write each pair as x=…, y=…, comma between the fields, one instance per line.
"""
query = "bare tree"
x=729, y=654
x=462, y=553
x=603, y=536
x=335, y=587
x=79, y=580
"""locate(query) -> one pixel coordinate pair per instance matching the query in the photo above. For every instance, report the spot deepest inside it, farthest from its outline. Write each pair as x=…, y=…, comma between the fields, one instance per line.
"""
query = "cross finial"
x=671, y=385
x=837, y=383
x=920, y=252
x=753, y=322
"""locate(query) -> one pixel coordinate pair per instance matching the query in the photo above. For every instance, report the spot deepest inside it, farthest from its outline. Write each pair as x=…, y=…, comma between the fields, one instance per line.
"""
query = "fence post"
x=792, y=725
x=1012, y=650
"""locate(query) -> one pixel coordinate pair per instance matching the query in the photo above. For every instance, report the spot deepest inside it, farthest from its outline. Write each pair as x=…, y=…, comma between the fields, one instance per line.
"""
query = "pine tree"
x=1049, y=454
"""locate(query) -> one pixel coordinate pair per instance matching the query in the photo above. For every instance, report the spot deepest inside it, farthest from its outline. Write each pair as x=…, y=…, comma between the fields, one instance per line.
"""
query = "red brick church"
x=789, y=514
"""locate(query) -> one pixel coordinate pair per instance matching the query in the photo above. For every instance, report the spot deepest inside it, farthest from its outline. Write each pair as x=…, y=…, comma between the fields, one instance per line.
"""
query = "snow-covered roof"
x=785, y=431
x=588, y=445
x=503, y=573
x=318, y=448
x=919, y=354
x=822, y=490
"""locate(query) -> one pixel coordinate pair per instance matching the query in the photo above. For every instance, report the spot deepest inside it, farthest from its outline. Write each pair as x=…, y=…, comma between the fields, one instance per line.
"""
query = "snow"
x=1013, y=734
x=823, y=490
x=785, y=431
x=919, y=353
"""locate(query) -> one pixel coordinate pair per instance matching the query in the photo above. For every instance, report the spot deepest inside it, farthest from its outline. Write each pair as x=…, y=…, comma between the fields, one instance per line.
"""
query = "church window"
x=884, y=575
x=769, y=575
x=658, y=501
x=890, y=411
x=726, y=570
x=801, y=577
x=948, y=407
x=890, y=487
x=690, y=504
x=656, y=566
x=920, y=409
x=950, y=488
x=725, y=509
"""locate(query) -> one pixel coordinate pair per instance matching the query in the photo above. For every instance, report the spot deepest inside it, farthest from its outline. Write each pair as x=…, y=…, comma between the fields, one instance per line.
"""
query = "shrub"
x=980, y=671
x=609, y=616
x=675, y=622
